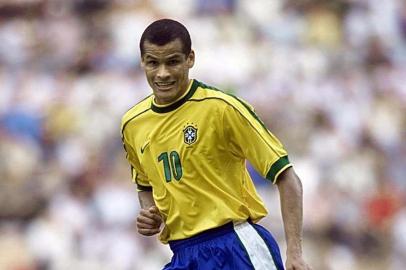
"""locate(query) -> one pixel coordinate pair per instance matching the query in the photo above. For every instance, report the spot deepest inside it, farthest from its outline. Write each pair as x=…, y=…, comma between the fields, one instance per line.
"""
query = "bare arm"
x=149, y=220
x=146, y=200
x=291, y=196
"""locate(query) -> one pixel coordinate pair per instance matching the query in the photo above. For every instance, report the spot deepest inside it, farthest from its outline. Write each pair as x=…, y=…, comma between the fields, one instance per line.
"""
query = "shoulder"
x=138, y=109
x=207, y=92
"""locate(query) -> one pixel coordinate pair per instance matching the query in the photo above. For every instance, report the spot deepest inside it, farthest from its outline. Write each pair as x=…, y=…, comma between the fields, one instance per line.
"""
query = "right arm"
x=149, y=220
x=146, y=200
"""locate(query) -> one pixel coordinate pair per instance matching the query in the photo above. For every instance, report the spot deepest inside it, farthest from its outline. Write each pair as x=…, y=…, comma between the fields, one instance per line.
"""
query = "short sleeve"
x=250, y=139
x=137, y=174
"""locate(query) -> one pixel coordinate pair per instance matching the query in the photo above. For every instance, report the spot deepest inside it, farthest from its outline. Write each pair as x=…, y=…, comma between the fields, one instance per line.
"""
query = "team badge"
x=190, y=134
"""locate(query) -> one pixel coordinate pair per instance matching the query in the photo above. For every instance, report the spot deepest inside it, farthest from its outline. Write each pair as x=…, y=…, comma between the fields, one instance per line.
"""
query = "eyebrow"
x=149, y=56
x=174, y=55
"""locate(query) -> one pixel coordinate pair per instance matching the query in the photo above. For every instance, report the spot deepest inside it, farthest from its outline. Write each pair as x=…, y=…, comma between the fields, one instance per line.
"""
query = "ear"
x=191, y=59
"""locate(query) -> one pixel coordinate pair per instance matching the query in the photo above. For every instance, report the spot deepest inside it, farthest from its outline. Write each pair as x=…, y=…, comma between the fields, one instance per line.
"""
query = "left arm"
x=291, y=196
x=268, y=156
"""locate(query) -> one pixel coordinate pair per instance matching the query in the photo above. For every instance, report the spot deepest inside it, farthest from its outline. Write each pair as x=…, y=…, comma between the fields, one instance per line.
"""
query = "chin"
x=164, y=99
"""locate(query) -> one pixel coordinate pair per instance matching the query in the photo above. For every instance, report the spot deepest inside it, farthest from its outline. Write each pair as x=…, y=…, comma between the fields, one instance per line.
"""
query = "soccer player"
x=187, y=144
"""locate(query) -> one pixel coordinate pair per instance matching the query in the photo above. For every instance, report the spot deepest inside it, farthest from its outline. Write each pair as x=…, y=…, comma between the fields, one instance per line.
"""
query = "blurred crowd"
x=326, y=76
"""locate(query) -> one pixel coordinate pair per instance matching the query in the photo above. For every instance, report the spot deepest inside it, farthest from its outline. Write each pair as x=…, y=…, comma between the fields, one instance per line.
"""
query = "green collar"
x=178, y=103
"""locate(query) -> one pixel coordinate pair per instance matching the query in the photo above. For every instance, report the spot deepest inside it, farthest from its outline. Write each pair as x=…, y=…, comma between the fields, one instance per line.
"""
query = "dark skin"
x=167, y=71
x=291, y=197
x=149, y=220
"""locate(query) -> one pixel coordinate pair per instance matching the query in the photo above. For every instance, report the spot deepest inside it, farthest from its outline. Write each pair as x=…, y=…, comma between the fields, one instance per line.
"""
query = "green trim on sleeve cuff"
x=277, y=168
x=143, y=188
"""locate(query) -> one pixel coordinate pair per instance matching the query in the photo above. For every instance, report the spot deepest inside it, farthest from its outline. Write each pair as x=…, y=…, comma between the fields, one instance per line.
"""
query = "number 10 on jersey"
x=172, y=165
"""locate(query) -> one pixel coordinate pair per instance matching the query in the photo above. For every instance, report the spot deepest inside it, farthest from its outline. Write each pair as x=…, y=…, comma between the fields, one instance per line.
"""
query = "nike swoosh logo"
x=144, y=146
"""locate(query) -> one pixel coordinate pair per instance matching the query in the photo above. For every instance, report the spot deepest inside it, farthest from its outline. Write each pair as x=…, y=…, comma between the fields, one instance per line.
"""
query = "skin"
x=167, y=70
x=149, y=220
x=291, y=197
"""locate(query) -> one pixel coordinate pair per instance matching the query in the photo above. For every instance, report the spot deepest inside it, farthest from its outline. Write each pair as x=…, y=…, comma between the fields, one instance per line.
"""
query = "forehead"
x=172, y=48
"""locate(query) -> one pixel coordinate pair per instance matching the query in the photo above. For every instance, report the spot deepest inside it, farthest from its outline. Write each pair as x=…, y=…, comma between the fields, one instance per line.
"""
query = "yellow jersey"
x=191, y=154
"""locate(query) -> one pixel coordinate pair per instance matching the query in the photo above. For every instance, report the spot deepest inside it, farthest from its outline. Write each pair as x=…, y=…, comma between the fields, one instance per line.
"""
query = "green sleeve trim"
x=277, y=168
x=139, y=186
x=143, y=188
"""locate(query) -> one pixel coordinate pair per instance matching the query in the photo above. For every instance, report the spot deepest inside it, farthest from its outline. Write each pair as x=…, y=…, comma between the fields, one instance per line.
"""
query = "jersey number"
x=172, y=165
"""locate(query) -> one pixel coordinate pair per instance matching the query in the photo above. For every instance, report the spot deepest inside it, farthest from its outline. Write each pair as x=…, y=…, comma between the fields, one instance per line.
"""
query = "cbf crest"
x=190, y=134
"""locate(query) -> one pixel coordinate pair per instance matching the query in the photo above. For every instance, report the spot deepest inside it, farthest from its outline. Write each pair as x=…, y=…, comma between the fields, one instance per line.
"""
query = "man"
x=187, y=145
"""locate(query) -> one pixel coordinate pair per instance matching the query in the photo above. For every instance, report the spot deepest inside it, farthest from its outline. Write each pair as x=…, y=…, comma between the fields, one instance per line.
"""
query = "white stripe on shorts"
x=257, y=250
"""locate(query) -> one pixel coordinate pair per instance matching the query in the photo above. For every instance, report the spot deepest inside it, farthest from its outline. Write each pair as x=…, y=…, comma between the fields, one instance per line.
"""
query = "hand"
x=149, y=221
x=296, y=262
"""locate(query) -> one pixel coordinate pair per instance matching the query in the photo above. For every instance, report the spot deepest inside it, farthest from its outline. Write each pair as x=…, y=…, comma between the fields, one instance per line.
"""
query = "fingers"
x=149, y=232
x=298, y=267
x=297, y=264
x=149, y=221
x=153, y=209
x=150, y=218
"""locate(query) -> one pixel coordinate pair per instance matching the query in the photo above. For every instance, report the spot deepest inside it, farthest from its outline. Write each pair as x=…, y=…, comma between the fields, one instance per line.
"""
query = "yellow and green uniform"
x=191, y=154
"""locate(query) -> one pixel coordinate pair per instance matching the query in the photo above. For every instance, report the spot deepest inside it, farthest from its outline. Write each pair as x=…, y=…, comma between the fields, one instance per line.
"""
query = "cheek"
x=149, y=74
x=182, y=72
x=150, y=78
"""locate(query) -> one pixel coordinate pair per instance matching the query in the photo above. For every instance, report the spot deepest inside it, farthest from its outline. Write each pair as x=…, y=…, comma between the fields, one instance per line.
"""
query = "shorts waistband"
x=201, y=237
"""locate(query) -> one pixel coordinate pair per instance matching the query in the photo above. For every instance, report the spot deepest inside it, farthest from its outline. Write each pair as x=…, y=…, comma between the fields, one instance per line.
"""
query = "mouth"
x=164, y=86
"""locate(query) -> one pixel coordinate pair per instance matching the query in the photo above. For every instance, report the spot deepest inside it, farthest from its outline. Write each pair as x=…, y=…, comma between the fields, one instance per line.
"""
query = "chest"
x=172, y=142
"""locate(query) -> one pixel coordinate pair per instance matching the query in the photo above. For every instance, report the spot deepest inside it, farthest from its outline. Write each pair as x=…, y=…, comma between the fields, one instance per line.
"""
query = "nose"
x=163, y=72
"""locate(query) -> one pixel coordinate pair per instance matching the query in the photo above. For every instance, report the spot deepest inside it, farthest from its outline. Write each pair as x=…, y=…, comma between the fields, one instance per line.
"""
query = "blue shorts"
x=230, y=247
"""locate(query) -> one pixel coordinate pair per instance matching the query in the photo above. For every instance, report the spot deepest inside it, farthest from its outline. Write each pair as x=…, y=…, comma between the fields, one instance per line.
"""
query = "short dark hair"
x=163, y=31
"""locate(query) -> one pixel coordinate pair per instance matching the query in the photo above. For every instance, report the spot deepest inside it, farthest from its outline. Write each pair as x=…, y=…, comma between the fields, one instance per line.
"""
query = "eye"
x=152, y=63
x=173, y=62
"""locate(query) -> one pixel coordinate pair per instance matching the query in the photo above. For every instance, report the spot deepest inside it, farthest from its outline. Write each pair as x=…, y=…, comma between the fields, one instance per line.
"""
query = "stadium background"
x=327, y=77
